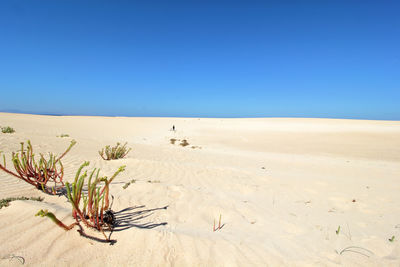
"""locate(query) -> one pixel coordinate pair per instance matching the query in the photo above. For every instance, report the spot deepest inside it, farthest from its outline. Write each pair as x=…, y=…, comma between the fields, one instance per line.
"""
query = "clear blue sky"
x=338, y=59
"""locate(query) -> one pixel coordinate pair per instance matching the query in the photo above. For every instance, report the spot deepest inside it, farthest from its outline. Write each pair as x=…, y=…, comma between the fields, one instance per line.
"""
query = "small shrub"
x=91, y=206
x=63, y=135
x=391, y=239
x=7, y=129
x=38, y=173
x=116, y=152
x=184, y=143
x=5, y=202
x=172, y=140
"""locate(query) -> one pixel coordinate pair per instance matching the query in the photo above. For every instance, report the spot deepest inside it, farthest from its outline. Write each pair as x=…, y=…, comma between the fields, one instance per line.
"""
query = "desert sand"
x=282, y=186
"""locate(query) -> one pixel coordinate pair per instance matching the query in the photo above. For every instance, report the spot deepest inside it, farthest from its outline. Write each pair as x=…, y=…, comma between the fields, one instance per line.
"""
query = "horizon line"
x=189, y=117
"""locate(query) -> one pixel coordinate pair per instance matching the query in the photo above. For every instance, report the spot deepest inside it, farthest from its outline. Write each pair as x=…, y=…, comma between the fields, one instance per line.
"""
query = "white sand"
x=285, y=214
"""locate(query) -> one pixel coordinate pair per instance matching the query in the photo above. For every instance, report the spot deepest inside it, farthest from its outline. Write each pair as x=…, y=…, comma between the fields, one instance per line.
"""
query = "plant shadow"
x=134, y=217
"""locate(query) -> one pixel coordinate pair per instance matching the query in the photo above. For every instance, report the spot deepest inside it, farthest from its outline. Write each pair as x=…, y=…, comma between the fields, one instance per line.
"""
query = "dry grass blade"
x=358, y=250
x=219, y=224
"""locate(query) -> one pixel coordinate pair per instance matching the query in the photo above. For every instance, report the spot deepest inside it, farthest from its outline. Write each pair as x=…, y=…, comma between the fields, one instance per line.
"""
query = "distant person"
x=173, y=128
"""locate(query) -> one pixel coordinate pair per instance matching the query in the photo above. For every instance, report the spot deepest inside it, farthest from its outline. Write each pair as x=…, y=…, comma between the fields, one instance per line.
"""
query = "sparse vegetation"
x=92, y=207
x=129, y=183
x=38, y=173
x=219, y=224
x=184, y=143
x=12, y=256
x=338, y=230
x=7, y=129
x=391, y=239
x=5, y=202
x=63, y=135
x=154, y=181
x=116, y=152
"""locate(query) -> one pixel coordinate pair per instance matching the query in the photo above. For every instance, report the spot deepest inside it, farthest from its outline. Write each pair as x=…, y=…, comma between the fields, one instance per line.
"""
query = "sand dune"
x=282, y=186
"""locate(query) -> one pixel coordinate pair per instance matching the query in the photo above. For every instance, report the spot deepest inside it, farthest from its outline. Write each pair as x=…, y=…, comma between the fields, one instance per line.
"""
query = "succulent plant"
x=91, y=206
x=7, y=129
x=38, y=173
x=116, y=152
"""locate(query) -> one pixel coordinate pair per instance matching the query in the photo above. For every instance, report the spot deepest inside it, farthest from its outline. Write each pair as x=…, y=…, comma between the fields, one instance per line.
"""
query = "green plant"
x=92, y=206
x=38, y=173
x=338, y=230
x=63, y=135
x=116, y=152
x=7, y=129
x=51, y=216
x=391, y=239
x=128, y=183
x=5, y=202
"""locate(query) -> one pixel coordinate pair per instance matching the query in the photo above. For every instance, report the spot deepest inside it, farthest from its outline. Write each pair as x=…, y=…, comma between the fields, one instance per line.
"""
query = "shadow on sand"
x=135, y=217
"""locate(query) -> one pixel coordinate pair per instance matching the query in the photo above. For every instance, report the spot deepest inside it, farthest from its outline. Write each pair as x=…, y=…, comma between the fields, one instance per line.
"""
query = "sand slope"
x=282, y=186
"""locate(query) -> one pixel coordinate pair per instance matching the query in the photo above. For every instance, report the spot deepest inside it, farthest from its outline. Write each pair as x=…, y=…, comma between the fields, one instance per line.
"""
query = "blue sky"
x=336, y=59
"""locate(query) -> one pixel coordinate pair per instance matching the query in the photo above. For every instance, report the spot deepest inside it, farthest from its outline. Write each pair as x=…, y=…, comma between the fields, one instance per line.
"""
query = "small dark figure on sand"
x=173, y=128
